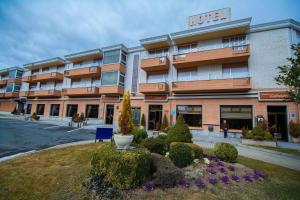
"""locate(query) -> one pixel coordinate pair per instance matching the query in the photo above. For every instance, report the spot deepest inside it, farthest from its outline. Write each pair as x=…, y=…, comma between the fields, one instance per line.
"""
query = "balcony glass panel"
x=109, y=78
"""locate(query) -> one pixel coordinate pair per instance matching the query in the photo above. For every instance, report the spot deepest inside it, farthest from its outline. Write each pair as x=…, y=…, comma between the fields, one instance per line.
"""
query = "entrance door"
x=155, y=117
x=277, y=118
x=109, y=115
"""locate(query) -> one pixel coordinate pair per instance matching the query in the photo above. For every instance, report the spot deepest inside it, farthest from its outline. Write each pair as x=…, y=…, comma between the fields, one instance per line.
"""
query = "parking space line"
x=74, y=130
x=51, y=127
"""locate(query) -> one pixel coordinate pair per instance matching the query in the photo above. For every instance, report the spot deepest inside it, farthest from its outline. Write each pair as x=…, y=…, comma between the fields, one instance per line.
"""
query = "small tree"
x=125, y=120
x=180, y=132
x=143, y=121
x=165, y=124
x=289, y=75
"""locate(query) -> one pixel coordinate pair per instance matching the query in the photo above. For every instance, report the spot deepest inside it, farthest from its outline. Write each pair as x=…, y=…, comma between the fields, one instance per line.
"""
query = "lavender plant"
x=184, y=183
x=212, y=180
x=224, y=179
x=235, y=178
x=200, y=182
x=149, y=186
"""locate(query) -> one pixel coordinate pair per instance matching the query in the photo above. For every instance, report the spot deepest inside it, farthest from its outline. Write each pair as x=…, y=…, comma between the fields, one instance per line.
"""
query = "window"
x=187, y=75
x=9, y=87
x=192, y=114
x=40, y=109
x=235, y=70
x=136, y=116
x=12, y=74
x=45, y=69
x=91, y=111
x=19, y=74
x=186, y=48
x=28, y=109
x=71, y=110
x=109, y=78
x=156, y=53
x=237, y=42
x=237, y=116
x=112, y=56
x=121, y=79
x=298, y=37
x=17, y=88
x=54, y=110
x=156, y=78
x=123, y=57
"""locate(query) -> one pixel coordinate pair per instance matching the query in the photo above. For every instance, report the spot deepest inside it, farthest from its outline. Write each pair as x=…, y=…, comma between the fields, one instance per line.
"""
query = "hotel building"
x=213, y=70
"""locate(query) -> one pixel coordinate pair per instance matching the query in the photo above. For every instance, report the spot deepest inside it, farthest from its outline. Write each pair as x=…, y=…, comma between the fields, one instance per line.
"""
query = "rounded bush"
x=268, y=136
x=226, y=152
x=180, y=132
x=258, y=133
x=197, y=151
x=123, y=169
x=181, y=155
x=155, y=145
x=139, y=135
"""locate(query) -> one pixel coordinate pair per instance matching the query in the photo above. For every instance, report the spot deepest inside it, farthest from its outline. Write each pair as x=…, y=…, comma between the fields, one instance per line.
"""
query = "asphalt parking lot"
x=18, y=136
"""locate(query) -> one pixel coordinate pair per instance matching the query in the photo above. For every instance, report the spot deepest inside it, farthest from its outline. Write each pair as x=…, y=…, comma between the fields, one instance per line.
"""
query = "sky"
x=32, y=30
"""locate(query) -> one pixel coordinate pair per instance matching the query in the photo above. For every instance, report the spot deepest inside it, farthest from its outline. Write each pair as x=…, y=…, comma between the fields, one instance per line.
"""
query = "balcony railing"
x=85, y=65
x=83, y=72
x=155, y=64
x=153, y=88
x=43, y=77
x=81, y=91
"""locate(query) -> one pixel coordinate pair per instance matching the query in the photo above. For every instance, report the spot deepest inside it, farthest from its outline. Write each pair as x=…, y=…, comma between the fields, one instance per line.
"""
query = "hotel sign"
x=209, y=18
x=269, y=96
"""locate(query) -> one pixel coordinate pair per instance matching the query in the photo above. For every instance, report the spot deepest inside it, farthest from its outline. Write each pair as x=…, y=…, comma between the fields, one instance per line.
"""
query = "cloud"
x=38, y=29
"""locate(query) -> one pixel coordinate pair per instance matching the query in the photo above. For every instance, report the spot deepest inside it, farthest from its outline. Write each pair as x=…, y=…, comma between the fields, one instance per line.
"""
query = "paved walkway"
x=269, y=156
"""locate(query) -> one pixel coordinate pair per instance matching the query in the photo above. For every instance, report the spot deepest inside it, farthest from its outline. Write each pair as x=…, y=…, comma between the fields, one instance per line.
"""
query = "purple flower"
x=255, y=176
x=184, y=183
x=235, y=178
x=211, y=171
x=219, y=163
x=210, y=165
x=149, y=186
x=212, y=180
x=258, y=173
x=247, y=178
x=231, y=168
x=199, y=182
x=225, y=179
x=223, y=170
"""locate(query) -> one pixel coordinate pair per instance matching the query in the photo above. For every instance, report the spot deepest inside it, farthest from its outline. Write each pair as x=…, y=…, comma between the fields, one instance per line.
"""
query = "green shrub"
x=35, y=116
x=258, y=133
x=226, y=152
x=180, y=132
x=155, y=145
x=165, y=139
x=244, y=132
x=139, y=135
x=164, y=173
x=197, y=151
x=294, y=129
x=268, y=136
x=165, y=124
x=249, y=135
x=181, y=155
x=123, y=169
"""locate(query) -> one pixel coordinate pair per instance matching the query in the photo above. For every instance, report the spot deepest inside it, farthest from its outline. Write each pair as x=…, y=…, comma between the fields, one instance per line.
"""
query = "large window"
x=186, y=48
x=192, y=114
x=54, y=110
x=109, y=78
x=12, y=74
x=17, y=88
x=156, y=78
x=238, y=42
x=237, y=116
x=19, y=74
x=40, y=108
x=28, y=109
x=156, y=53
x=187, y=75
x=91, y=111
x=71, y=110
x=9, y=87
x=136, y=116
x=235, y=70
x=111, y=56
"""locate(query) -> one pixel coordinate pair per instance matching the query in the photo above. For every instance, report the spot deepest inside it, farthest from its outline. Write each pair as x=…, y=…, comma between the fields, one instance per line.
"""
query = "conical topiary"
x=180, y=132
x=143, y=121
x=125, y=119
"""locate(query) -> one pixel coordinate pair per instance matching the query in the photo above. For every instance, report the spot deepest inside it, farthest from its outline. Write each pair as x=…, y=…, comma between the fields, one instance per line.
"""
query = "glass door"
x=155, y=117
x=109, y=115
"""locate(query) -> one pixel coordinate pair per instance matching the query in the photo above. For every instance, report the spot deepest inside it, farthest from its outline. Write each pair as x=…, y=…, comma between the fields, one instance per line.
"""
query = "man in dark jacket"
x=225, y=127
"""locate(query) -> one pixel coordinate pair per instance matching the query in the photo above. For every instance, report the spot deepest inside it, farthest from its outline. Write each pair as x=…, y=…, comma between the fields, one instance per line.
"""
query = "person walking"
x=225, y=127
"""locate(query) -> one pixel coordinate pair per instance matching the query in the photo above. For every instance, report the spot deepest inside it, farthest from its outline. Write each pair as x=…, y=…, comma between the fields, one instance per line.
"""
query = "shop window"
x=71, y=110
x=28, y=109
x=192, y=114
x=91, y=111
x=237, y=116
x=40, y=108
x=54, y=111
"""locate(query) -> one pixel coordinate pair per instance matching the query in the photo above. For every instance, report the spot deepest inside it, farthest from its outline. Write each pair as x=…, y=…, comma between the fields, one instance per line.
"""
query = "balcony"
x=81, y=91
x=155, y=64
x=51, y=76
x=154, y=88
x=213, y=56
x=11, y=94
x=3, y=82
x=111, y=90
x=14, y=80
x=41, y=93
x=113, y=67
x=218, y=85
x=83, y=72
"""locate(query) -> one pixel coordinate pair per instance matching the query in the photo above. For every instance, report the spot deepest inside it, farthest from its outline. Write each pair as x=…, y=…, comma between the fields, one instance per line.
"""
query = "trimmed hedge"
x=181, y=154
x=180, y=132
x=226, y=152
x=123, y=169
x=139, y=135
x=156, y=145
x=197, y=151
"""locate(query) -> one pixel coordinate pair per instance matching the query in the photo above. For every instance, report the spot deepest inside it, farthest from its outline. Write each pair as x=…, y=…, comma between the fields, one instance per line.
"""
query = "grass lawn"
x=279, y=149
x=59, y=173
